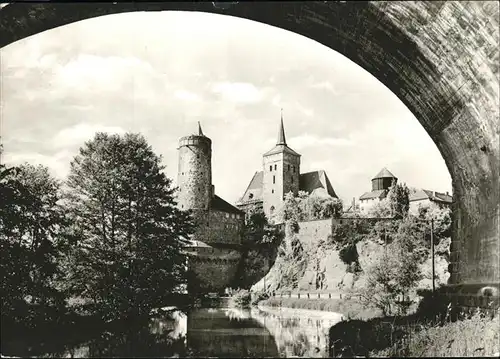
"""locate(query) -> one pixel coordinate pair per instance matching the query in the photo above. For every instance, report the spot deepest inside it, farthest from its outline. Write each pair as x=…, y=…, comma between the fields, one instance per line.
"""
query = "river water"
x=257, y=332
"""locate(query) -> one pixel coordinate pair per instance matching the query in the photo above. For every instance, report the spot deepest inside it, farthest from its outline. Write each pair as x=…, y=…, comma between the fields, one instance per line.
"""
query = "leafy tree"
x=396, y=272
x=31, y=241
x=130, y=233
x=399, y=199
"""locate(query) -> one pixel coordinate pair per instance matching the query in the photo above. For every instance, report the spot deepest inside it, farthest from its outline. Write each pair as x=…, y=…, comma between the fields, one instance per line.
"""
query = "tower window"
x=275, y=167
x=289, y=167
x=293, y=168
x=270, y=168
x=272, y=209
x=292, y=179
x=274, y=179
x=272, y=191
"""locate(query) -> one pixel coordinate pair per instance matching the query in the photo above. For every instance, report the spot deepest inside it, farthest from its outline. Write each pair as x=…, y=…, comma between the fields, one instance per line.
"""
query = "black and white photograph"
x=250, y=179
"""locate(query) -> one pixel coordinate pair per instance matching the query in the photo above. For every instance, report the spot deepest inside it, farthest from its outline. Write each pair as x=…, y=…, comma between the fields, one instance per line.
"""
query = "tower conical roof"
x=281, y=133
x=384, y=173
x=200, y=132
x=281, y=145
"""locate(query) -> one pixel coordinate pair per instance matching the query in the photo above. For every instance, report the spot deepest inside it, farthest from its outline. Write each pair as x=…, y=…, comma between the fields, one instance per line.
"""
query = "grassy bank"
x=350, y=308
x=417, y=336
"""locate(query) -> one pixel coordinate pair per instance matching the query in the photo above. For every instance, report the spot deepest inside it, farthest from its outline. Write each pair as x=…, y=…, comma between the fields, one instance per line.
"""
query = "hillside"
x=310, y=259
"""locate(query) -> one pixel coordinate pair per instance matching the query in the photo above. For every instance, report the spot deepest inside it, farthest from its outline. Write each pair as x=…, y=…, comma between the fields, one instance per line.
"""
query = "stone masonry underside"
x=440, y=58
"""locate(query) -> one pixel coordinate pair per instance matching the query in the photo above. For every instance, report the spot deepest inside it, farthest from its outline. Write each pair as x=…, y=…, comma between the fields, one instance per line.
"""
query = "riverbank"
x=349, y=308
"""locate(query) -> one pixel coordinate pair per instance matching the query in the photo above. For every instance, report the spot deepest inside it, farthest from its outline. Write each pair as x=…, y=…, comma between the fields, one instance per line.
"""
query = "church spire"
x=281, y=134
x=200, y=132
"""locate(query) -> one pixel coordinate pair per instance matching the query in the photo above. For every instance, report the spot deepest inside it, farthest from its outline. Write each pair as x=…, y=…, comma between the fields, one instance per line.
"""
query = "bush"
x=349, y=254
x=241, y=299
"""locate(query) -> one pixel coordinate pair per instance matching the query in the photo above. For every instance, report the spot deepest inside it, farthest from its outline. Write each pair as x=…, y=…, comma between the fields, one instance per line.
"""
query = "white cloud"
x=324, y=85
x=186, y=95
x=239, y=92
x=57, y=163
x=80, y=133
x=102, y=71
x=307, y=140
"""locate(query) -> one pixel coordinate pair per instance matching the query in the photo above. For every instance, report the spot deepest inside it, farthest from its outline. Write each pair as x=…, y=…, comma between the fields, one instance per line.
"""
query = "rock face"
x=441, y=58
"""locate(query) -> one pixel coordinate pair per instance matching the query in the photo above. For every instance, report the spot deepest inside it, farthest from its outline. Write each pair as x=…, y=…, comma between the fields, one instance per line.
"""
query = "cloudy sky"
x=160, y=73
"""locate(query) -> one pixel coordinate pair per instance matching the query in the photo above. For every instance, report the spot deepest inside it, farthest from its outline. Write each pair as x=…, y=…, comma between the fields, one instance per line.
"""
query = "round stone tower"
x=195, y=172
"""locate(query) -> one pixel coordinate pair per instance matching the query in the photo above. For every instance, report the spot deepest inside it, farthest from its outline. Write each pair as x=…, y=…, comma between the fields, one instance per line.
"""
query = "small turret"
x=383, y=180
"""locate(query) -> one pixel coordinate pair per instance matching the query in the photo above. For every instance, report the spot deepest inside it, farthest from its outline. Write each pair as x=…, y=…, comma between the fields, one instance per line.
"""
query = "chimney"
x=447, y=193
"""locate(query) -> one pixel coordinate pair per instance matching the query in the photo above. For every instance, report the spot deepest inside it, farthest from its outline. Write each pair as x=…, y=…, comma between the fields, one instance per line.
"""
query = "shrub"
x=241, y=299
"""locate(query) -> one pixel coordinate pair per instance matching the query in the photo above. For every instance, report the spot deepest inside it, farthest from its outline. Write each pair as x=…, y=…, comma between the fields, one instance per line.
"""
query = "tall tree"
x=31, y=223
x=130, y=231
x=399, y=199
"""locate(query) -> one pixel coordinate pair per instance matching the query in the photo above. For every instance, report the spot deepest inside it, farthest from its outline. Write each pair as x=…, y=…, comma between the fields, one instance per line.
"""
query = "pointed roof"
x=384, y=173
x=281, y=145
x=281, y=133
x=200, y=132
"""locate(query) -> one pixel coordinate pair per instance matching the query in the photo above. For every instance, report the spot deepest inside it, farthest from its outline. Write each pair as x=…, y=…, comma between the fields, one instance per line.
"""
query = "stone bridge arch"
x=440, y=58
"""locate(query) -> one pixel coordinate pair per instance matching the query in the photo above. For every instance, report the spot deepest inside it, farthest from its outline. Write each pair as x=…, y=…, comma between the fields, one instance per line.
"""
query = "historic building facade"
x=279, y=176
x=214, y=249
x=381, y=184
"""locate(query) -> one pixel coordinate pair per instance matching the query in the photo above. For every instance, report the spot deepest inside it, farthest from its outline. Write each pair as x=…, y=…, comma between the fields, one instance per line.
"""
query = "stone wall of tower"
x=218, y=227
x=195, y=172
x=281, y=175
x=272, y=184
x=291, y=173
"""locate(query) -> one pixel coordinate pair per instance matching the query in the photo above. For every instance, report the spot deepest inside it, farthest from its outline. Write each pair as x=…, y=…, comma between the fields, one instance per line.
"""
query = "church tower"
x=280, y=176
x=194, y=177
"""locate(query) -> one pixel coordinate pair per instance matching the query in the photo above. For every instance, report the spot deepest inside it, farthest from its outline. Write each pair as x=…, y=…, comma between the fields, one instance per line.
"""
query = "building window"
x=293, y=168
x=275, y=167
x=271, y=168
x=274, y=179
x=272, y=191
x=272, y=209
x=292, y=179
x=288, y=167
x=250, y=195
x=227, y=215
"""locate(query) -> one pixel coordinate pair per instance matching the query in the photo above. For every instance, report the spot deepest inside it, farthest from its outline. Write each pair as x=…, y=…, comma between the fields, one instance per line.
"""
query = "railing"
x=316, y=295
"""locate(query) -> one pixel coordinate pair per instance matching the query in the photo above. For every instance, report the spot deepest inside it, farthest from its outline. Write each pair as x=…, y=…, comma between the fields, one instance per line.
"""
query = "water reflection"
x=263, y=332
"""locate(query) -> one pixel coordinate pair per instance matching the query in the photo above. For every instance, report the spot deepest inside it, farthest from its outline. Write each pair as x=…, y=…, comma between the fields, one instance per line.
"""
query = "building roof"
x=219, y=204
x=382, y=193
x=280, y=149
x=384, y=173
x=421, y=194
x=254, y=189
x=312, y=181
x=316, y=182
x=281, y=145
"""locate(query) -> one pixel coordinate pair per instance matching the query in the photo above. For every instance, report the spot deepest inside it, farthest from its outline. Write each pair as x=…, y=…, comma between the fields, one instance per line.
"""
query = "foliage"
x=391, y=278
x=257, y=229
x=349, y=254
x=306, y=207
x=241, y=298
x=130, y=233
x=31, y=241
x=441, y=217
x=399, y=200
